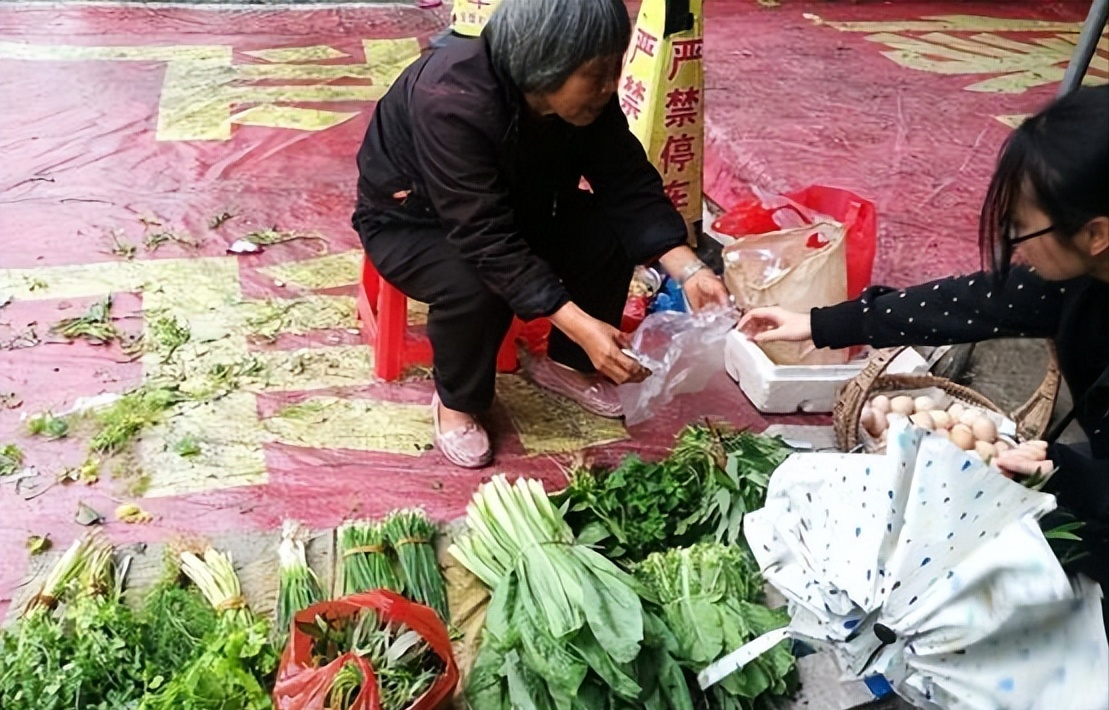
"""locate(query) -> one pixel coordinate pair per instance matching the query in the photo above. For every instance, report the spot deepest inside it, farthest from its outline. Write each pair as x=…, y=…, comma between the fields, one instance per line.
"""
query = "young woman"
x=1047, y=205
x=469, y=200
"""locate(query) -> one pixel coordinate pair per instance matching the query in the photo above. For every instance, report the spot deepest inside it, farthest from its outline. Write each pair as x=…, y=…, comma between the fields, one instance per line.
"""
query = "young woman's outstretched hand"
x=768, y=325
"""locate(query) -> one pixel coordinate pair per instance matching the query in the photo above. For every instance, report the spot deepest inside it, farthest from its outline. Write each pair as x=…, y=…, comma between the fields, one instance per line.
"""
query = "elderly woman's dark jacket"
x=449, y=144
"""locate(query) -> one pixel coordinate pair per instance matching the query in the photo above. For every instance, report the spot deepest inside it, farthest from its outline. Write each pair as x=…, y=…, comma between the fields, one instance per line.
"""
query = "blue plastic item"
x=669, y=298
x=878, y=685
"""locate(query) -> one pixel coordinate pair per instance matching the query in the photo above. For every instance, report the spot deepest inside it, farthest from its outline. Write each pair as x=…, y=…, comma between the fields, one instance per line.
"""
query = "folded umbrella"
x=927, y=567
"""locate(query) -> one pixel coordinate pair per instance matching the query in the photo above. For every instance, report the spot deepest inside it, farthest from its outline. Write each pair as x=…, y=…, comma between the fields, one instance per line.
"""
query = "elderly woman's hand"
x=601, y=342
x=704, y=289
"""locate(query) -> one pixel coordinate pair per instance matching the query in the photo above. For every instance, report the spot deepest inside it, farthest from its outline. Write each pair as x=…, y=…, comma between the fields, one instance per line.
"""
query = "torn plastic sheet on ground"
x=683, y=351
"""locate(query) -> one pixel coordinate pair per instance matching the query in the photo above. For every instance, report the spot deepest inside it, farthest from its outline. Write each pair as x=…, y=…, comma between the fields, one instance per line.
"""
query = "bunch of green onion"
x=366, y=565
x=412, y=536
x=298, y=586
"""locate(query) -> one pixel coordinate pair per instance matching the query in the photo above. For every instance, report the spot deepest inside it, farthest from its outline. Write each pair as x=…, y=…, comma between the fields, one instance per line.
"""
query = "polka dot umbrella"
x=927, y=567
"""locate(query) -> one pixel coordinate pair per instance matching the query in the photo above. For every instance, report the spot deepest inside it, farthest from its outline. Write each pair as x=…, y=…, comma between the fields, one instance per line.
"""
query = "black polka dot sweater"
x=1074, y=314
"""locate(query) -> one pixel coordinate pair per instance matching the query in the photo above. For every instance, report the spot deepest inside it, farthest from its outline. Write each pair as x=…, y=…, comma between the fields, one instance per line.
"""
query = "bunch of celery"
x=565, y=626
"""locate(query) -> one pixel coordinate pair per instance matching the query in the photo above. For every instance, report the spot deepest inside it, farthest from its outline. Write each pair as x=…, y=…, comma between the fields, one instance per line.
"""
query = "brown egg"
x=924, y=404
x=969, y=416
x=866, y=420
x=984, y=430
x=881, y=423
x=881, y=403
x=941, y=419
x=956, y=410
x=962, y=437
x=923, y=420
x=902, y=405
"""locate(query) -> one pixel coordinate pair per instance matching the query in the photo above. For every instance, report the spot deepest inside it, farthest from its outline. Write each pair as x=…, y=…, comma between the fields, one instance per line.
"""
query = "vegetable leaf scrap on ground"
x=121, y=422
x=95, y=326
x=11, y=458
x=49, y=426
x=700, y=492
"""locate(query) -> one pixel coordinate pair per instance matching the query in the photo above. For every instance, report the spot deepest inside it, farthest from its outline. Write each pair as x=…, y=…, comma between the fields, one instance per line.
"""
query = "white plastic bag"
x=683, y=351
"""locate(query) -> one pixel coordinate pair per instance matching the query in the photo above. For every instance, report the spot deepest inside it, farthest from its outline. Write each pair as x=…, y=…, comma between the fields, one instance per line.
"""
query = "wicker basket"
x=1032, y=418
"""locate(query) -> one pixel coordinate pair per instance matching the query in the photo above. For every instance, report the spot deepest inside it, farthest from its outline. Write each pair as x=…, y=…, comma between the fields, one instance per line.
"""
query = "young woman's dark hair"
x=1060, y=159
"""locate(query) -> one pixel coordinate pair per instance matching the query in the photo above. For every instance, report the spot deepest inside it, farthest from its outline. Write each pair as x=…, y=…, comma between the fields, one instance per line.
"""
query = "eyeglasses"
x=1003, y=247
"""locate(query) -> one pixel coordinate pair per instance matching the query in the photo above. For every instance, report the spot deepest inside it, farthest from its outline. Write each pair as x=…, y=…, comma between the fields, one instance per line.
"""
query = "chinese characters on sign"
x=645, y=42
x=662, y=93
x=631, y=98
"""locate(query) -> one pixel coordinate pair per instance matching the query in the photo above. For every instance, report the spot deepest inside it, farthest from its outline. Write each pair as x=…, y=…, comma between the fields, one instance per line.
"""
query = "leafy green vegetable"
x=700, y=492
x=237, y=660
x=403, y=664
x=708, y=595
x=95, y=326
x=564, y=624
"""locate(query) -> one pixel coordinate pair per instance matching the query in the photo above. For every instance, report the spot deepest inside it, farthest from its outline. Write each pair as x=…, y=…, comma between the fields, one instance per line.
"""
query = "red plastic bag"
x=856, y=214
x=301, y=686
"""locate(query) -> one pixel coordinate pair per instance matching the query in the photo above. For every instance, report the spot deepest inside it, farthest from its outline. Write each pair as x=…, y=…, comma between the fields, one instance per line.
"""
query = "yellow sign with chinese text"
x=662, y=94
x=468, y=17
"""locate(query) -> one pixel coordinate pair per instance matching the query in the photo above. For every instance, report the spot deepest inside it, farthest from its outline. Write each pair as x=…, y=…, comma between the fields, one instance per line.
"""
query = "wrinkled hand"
x=1027, y=459
x=772, y=324
x=704, y=289
x=603, y=344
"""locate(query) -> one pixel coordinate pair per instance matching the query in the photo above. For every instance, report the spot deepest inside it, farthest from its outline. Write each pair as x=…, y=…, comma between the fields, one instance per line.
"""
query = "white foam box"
x=784, y=389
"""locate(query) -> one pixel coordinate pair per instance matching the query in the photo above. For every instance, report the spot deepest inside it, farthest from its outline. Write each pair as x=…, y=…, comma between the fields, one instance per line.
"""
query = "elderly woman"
x=469, y=200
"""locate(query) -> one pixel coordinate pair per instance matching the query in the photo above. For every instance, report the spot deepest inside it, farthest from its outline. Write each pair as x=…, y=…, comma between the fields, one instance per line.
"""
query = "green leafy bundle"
x=366, y=562
x=38, y=649
x=298, y=586
x=412, y=535
x=566, y=628
x=700, y=492
x=709, y=596
x=237, y=662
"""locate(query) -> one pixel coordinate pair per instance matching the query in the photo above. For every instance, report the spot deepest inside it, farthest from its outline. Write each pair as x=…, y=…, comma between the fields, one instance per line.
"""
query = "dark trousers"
x=467, y=322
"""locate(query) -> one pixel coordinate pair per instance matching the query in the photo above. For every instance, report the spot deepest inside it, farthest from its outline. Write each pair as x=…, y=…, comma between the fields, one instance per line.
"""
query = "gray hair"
x=538, y=44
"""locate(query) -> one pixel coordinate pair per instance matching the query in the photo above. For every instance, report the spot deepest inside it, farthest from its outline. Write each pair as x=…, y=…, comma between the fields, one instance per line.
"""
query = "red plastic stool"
x=383, y=311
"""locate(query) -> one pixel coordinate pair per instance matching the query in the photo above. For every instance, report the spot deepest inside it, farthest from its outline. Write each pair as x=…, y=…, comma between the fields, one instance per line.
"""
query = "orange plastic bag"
x=302, y=686
x=856, y=214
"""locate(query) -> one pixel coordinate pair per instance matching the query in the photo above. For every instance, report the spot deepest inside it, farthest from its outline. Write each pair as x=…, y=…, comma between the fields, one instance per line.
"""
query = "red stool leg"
x=507, y=360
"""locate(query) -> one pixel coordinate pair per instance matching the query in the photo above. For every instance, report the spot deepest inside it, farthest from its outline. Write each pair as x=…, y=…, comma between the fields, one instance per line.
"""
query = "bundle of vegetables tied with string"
x=366, y=564
x=298, y=586
x=565, y=626
x=237, y=660
x=700, y=492
x=77, y=645
x=412, y=536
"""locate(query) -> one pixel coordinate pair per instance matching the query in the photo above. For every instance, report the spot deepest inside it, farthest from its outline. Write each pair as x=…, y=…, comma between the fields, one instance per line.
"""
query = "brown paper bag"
x=799, y=269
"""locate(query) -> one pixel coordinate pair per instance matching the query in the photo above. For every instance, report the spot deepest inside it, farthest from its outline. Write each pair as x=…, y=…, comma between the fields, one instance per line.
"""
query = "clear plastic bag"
x=683, y=351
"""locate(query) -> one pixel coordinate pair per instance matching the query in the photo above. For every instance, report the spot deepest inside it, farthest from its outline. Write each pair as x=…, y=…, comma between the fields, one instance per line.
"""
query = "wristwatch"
x=688, y=270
